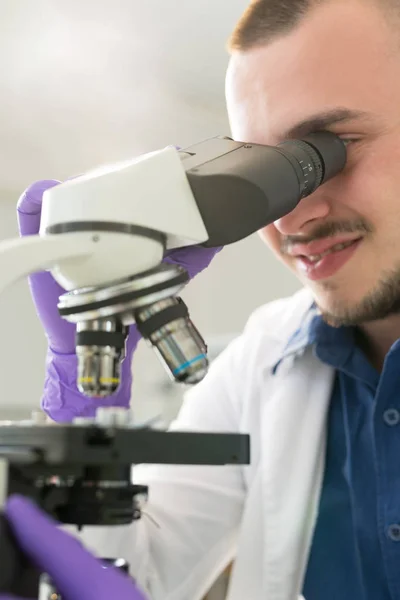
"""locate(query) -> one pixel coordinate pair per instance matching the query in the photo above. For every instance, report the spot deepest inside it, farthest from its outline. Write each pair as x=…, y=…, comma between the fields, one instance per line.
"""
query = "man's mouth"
x=314, y=258
x=323, y=258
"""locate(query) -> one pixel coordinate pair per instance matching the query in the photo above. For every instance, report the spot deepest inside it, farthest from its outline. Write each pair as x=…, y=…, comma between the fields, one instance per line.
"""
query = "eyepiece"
x=241, y=187
x=332, y=152
x=316, y=158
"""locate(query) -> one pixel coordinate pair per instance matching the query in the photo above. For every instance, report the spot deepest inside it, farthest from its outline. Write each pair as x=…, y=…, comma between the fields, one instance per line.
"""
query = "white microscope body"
x=97, y=233
x=150, y=192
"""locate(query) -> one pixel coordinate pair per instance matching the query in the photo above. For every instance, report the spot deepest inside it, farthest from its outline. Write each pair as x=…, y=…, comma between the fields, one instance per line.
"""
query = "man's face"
x=339, y=70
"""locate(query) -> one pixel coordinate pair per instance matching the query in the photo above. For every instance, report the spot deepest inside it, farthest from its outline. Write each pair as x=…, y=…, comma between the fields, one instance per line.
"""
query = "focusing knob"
x=314, y=166
x=308, y=164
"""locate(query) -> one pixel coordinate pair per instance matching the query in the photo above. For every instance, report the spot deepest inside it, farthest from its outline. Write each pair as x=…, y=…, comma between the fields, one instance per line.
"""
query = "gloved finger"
x=75, y=571
x=29, y=206
x=192, y=258
x=45, y=292
x=44, y=289
x=37, y=533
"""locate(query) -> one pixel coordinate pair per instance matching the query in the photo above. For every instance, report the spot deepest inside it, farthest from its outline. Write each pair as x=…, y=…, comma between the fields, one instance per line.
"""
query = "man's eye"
x=348, y=140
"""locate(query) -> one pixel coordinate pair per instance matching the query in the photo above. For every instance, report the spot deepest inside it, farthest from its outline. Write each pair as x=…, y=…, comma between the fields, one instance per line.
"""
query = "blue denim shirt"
x=355, y=553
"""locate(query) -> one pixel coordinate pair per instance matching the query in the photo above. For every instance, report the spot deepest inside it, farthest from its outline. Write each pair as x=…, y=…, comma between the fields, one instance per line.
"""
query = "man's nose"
x=306, y=214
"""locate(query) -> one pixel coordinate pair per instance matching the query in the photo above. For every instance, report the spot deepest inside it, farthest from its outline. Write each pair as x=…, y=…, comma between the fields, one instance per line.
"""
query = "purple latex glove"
x=76, y=573
x=61, y=399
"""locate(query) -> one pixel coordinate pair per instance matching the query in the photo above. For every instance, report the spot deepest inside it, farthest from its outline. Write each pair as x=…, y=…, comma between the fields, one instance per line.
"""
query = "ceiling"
x=84, y=82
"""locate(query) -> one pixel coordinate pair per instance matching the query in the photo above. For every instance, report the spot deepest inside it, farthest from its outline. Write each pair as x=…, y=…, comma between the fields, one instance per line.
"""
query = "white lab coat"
x=261, y=516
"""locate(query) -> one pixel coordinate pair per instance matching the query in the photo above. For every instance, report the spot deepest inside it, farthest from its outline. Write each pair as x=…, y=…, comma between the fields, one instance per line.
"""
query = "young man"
x=314, y=378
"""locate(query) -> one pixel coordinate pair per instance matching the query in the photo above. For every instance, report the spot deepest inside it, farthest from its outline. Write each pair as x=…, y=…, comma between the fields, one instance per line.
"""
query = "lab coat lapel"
x=292, y=463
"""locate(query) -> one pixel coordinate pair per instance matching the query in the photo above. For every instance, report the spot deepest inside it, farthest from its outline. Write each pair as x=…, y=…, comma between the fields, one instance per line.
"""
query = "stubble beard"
x=382, y=302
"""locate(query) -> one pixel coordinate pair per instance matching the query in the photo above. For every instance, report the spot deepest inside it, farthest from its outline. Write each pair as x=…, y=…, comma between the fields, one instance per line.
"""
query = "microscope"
x=103, y=236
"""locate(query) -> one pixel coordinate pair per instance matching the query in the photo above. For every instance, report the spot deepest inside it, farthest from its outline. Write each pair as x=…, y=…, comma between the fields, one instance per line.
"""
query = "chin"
x=338, y=307
x=379, y=302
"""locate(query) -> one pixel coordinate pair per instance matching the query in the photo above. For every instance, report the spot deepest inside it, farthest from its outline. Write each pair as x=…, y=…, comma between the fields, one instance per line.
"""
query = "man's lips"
x=320, y=246
x=329, y=260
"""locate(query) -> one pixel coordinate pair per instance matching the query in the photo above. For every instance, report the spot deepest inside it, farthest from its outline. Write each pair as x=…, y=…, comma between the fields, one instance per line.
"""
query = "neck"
x=376, y=339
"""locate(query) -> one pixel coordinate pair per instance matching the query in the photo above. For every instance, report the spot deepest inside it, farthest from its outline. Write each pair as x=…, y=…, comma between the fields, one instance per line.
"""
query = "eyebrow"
x=323, y=120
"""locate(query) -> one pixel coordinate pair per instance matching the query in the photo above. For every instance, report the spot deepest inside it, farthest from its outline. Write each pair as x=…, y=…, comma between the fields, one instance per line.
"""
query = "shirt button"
x=394, y=532
x=391, y=416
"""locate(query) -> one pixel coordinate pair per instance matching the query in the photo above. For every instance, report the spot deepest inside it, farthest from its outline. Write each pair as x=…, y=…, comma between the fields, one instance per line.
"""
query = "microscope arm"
x=22, y=256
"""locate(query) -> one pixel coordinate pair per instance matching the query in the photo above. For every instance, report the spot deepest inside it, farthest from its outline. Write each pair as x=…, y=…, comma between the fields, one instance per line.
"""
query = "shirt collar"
x=332, y=345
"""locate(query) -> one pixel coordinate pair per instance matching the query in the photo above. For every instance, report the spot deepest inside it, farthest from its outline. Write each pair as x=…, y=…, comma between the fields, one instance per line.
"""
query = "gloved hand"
x=75, y=572
x=61, y=399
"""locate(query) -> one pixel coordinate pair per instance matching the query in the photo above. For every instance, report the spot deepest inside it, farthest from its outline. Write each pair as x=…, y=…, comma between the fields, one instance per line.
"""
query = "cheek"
x=370, y=184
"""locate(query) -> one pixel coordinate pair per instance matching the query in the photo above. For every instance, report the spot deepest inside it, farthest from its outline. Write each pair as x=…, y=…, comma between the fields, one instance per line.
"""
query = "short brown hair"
x=264, y=20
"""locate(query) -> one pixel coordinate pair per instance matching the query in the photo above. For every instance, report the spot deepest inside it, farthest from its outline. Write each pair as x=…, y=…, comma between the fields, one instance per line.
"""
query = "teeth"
x=316, y=257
